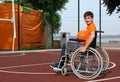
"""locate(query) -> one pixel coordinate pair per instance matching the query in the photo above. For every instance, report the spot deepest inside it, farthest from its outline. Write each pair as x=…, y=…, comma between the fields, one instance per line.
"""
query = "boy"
x=89, y=37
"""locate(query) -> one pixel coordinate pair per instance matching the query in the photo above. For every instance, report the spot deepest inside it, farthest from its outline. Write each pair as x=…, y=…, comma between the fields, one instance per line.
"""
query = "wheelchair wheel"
x=105, y=57
x=64, y=71
x=87, y=66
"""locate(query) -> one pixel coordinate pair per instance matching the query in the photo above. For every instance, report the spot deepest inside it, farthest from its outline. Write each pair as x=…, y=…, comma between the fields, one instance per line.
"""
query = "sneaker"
x=55, y=67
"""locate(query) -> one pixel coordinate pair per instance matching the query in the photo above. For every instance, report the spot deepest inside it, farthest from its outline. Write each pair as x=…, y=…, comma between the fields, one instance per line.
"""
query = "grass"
x=32, y=48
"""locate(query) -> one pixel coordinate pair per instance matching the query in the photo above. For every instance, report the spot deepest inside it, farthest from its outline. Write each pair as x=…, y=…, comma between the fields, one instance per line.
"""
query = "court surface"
x=33, y=66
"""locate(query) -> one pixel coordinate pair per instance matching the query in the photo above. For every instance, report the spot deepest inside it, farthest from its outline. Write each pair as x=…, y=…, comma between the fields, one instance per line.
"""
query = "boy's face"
x=88, y=20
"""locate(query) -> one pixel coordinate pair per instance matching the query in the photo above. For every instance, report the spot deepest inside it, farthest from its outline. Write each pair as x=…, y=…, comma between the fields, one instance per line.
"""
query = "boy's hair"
x=88, y=13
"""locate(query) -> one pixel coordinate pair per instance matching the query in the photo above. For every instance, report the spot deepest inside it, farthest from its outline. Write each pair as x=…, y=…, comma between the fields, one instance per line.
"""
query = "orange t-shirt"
x=89, y=29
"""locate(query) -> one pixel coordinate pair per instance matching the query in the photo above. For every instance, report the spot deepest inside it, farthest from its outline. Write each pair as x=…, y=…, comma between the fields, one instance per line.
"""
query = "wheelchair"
x=88, y=65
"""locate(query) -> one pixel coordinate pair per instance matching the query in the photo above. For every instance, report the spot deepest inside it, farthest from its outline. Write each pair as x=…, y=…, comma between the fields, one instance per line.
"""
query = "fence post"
x=100, y=22
x=52, y=25
x=18, y=24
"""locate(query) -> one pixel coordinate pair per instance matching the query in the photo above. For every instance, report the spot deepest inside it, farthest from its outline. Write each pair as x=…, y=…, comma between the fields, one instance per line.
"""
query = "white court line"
x=33, y=73
x=30, y=64
x=26, y=65
x=113, y=65
x=112, y=49
x=106, y=79
x=9, y=52
x=28, y=73
x=22, y=54
x=51, y=53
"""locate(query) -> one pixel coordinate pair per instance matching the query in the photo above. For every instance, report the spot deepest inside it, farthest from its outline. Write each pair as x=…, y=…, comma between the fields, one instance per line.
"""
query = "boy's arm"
x=92, y=36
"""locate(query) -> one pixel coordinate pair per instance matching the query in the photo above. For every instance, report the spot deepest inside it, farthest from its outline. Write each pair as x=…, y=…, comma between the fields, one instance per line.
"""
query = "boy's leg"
x=63, y=50
x=61, y=60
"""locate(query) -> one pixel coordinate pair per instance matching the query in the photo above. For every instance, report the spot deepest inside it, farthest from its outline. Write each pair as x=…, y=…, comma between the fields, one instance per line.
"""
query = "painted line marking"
x=22, y=54
x=30, y=73
x=113, y=65
x=106, y=79
x=111, y=48
x=33, y=73
x=51, y=53
x=25, y=65
x=10, y=52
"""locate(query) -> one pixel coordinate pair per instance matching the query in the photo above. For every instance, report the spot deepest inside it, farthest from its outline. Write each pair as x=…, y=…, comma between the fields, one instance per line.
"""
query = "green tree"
x=112, y=5
x=51, y=17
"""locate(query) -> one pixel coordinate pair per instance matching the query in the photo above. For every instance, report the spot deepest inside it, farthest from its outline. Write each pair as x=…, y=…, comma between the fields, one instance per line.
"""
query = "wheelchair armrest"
x=100, y=31
x=77, y=40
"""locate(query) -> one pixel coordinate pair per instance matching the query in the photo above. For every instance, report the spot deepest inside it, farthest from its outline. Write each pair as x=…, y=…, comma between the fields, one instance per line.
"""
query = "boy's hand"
x=83, y=49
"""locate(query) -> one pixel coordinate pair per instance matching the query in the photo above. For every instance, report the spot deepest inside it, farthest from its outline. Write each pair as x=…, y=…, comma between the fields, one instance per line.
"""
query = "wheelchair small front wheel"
x=87, y=66
x=64, y=71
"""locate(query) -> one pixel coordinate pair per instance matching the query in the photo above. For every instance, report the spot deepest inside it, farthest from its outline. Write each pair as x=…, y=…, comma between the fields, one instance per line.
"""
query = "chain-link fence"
x=28, y=24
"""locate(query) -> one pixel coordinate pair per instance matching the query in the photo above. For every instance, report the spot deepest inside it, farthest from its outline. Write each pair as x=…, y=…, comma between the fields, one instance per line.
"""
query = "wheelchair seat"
x=77, y=40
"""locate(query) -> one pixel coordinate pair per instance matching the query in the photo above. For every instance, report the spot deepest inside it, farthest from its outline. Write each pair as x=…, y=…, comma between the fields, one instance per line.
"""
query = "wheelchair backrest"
x=93, y=44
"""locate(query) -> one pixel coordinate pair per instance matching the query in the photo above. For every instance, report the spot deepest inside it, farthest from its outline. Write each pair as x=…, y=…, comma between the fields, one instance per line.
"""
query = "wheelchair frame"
x=102, y=64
